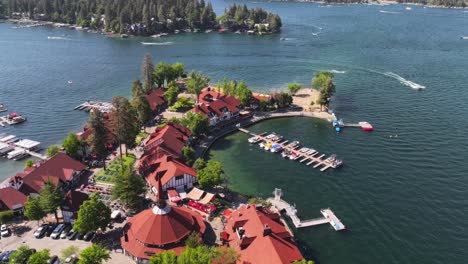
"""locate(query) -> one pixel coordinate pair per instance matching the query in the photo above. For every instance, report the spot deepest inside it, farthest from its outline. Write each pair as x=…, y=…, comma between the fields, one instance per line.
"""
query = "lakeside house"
x=158, y=229
x=156, y=99
x=220, y=109
x=252, y=229
x=12, y=200
x=173, y=174
x=167, y=140
x=71, y=205
x=63, y=171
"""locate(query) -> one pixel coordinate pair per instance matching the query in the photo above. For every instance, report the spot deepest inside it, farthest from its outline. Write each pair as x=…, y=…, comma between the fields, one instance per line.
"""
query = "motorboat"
x=14, y=118
x=254, y=140
x=3, y=108
x=294, y=144
x=294, y=155
x=276, y=148
x=286, y=153
x=267, y=146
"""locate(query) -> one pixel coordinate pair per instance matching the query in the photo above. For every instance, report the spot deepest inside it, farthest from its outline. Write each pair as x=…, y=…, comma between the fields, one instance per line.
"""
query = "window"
x=178, y=178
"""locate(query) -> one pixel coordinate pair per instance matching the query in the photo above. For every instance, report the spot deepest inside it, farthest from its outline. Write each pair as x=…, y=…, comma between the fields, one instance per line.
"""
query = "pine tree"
x=97, y=140
x=147, y=68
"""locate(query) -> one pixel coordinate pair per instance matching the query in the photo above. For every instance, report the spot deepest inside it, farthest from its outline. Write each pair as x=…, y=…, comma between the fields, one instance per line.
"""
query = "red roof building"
x=173, y=174
x=71, y=205
x=217, y=107
x=12, y=199
x=168, y=140
x=156, y=99
x=159, y=229
x=60, y=169
x=259, y=236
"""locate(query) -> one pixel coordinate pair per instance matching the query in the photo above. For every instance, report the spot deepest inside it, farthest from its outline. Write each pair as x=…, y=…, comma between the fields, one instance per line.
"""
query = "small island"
x=142, y=18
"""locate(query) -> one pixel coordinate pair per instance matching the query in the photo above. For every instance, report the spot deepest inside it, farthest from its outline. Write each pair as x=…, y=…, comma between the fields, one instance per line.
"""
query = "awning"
x=195, y=194
x=208, y=197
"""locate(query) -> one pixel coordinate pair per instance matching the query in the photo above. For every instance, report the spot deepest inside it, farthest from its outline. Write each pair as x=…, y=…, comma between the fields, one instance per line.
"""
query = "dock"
x=329, y=216
x=104, y=107
x=302, y=157
x=15, y=148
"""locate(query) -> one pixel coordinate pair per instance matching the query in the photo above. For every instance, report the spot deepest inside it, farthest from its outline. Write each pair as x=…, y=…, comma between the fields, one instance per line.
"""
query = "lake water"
x=403, y=190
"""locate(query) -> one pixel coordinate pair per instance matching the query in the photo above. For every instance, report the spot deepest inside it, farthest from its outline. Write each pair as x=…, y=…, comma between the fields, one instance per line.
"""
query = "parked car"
x=71, y=259
x=58, y=229
x=40, y=232
x=2, y=254
x=5, y=231
x=6, y=257
x=54, y=260
x=80, y=236
x=65, y=232
x=72, y=235
x=88, y=236
x=50, y=229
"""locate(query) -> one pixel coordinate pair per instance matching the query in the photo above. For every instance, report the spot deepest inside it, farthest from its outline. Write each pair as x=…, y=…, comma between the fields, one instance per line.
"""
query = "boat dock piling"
x=328, y=215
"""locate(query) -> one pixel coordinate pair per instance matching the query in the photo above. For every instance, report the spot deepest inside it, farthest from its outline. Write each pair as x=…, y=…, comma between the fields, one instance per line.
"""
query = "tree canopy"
x=29, y=163
x=21, y=255
x=282, y=99
x=40, y=257
x=211, y=174
x=50, y=198
x=196, y=123
x=171, y=94
x=124, y=126
x=52, y=150
x=239, y=17
x=72, y=145
x=198, y=254
x=93, y=214
x=147, y=68
x=95, y=254
x=129, y=188
x=6, y=216
x=33, y=210
x=323, y=81
x=140, y=103
x=197, y=82
x=293, y=88
x=188, y=155
x=97, y=140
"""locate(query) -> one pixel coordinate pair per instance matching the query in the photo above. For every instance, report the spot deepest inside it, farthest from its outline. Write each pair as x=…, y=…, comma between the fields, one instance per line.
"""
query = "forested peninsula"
x=143, y=17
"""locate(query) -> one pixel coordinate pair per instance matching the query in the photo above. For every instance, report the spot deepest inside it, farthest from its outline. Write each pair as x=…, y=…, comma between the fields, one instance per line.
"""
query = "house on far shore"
x=251, y=230
x=156, y=99
x=71, y=205
x=60, y=169
x=12, y=200
x=173, y=173
x=220, y=109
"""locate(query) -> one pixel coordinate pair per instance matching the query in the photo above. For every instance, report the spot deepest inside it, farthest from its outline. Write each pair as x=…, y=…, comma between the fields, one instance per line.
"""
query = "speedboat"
x=276, y=148
x=3, y=108
x=294, y=155
x=267, y=146
x=254, y=140
x=294, y=144
x=285, y=153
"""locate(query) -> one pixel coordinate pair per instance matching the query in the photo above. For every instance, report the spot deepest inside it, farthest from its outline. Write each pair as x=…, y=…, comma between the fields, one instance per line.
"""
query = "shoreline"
x=377, y=3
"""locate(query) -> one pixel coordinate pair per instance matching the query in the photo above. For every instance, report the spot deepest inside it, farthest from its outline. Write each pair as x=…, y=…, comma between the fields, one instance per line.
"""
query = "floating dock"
x=14, y=148
x=338, y=124
x=329, y=216
x=101, y=106
x=302, y=157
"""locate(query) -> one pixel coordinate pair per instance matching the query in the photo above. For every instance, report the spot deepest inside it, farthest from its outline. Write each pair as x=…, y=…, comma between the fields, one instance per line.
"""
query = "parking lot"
x=54, y=245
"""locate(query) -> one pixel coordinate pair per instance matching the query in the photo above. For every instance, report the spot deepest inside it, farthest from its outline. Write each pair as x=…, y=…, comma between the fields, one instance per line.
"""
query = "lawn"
x=107, y=175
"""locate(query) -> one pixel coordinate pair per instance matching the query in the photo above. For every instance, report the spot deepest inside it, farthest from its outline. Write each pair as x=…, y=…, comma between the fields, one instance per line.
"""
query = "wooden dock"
x=302, y=157
x=329, y=216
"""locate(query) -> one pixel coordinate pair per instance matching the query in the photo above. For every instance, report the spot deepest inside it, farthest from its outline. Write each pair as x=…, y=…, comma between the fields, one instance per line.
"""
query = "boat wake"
x=58, y=38
x=320, y=31
x=389, y=12
x=404, y=81
x=465, y=38
x=157, y=43
x=337, y=71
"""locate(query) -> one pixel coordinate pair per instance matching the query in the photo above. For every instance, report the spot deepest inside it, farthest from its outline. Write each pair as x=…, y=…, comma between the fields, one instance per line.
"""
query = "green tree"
x=193, y=240
x=199, y=255
x=182, y=105
x=140, y=103
x=199, y=164
x=210, y=176
x=320, y=80
x=282, y=99
x=137, y=89
x=52, y=150
x=293, y=88
x=163, y=73
x=147, y=68
x=196, y=82
x=21, y=255
x=6, y=216
x=224, y=255
x=129, y=188
x=196, y=123
x=98, y=138
x=323, y=81
x=32, y=209
x=179, y=69
x=303, y=261
x=68, y=251
x=95, y=254
x=29, y=163
x=72, y=145
x=124, y=125
x=50, y=198
x=171, y=93
x=243, y=93
x=93, y=214
x=40, y=257
x=165, y=257
x=188, y=155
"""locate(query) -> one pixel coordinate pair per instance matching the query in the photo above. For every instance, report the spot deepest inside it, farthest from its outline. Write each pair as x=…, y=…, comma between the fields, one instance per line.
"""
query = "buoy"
x=337, y=129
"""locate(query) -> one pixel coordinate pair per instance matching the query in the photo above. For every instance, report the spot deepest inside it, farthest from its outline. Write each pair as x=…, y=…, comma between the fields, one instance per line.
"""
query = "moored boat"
x=276, y=148
x=3, y=108
x=285, y=153
x=366, y=126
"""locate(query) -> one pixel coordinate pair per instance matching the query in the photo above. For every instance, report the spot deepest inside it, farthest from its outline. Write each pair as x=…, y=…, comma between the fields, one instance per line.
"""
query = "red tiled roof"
x=58, y=168
x=11, y=198
x=169, y=139
x=277, y=245
x=74, y=199
x=160, y=231
x=212, y=101
x=260, y=97
x=155, y=98
x=167, y=168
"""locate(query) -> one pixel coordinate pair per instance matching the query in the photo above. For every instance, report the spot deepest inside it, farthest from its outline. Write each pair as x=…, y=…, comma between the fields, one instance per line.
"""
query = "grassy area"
x=142, y=135
x=107, y=175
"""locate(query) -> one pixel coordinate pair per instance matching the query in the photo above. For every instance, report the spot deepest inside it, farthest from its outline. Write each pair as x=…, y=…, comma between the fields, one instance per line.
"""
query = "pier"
x=15, y=149
x=290, y=210
x=303, y=157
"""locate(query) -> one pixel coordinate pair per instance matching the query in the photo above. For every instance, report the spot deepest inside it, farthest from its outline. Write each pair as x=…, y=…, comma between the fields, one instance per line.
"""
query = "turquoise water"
x=403, y=197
